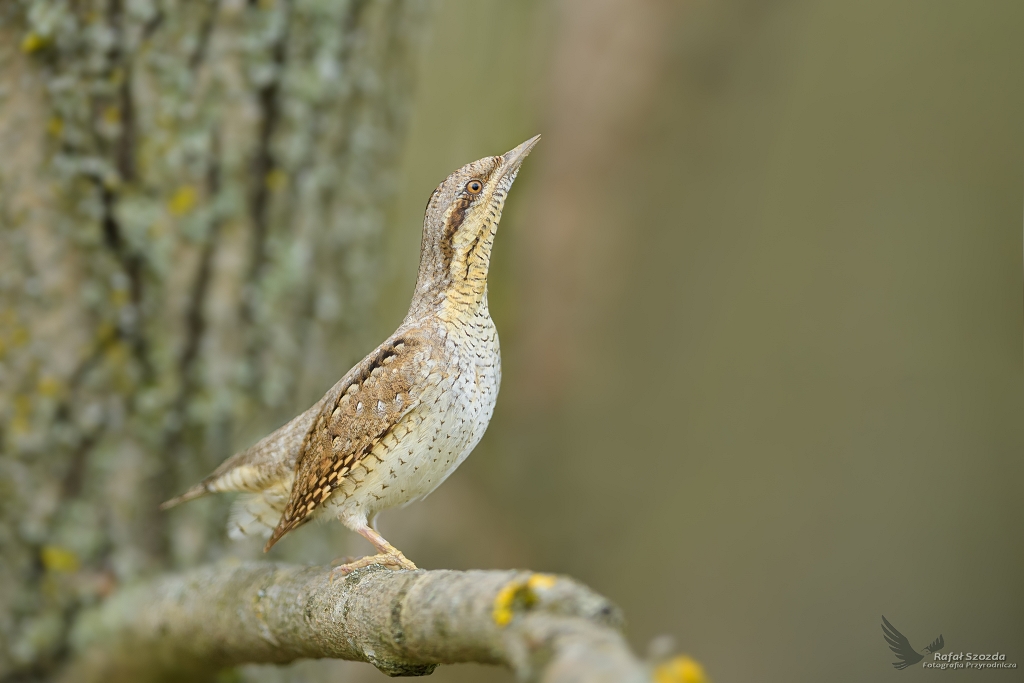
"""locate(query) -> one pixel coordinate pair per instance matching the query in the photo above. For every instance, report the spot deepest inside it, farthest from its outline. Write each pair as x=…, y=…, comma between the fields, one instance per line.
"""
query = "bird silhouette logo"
x=905, y=652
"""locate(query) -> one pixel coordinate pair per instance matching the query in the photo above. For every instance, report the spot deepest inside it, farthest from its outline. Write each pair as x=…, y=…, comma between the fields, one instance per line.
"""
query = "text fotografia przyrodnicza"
x=968, y=660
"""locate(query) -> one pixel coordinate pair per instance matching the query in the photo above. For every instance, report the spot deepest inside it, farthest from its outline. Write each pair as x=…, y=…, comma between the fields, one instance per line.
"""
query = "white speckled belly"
x=437, y=434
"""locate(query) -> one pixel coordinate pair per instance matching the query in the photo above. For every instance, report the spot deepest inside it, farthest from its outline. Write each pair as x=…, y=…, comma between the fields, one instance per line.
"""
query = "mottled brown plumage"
x=347, y=429
x=405, y=417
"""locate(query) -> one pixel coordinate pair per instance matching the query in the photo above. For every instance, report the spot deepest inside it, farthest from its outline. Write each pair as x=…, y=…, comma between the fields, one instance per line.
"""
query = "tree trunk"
x=192, y=196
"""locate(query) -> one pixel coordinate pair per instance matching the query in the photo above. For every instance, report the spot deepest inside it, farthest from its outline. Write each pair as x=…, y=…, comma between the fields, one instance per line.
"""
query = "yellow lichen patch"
x=518, y=593
x=502, y=612
x=19, y=336
x=48, y=386
x=276, y=180
x=117, y=354
x=540, y=581
x=182, y=201
x=106, y=332
x=21, y=421
x=33, y=42
x=118, y=297
x=58, y=559
x=681, y=669
x=112, y=114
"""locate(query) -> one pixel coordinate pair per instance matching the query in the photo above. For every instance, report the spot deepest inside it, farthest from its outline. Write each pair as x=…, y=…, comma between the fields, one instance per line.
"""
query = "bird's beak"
x=513, y=159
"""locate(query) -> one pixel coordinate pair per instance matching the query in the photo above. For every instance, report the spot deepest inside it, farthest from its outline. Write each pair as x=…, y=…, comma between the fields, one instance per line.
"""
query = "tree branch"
x=545, y=628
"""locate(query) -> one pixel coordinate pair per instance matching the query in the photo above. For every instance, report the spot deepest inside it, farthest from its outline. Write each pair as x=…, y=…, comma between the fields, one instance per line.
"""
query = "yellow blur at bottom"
x=681, y=669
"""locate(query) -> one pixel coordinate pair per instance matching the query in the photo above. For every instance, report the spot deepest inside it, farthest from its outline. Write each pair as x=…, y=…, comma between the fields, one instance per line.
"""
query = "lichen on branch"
x=543, y=627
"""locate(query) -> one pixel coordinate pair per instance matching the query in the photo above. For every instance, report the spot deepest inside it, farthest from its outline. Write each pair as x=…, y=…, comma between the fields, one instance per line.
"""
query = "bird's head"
x=458, y=231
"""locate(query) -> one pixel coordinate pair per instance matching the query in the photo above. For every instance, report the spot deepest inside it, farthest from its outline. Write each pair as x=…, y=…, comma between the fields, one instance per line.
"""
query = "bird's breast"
x=456, y=398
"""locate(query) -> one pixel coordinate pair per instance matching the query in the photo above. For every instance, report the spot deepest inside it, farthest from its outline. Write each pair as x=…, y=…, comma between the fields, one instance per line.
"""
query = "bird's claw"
x=394, y=561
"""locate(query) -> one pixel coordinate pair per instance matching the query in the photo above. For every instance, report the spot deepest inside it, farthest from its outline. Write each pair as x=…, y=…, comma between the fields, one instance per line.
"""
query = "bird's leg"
x=388, y=555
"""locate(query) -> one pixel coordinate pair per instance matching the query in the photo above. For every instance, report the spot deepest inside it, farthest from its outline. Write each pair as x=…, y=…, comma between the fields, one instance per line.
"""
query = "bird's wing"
x=937, y=644
x=381, y=391
x=899, y=644
x=269, y=460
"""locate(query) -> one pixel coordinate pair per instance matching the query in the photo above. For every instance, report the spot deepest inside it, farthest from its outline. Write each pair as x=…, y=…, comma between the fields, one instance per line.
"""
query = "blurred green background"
x=759, y=292
x=759, y=296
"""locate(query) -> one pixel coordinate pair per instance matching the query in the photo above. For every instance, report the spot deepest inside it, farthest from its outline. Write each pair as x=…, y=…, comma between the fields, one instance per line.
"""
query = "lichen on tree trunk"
x=191, y=203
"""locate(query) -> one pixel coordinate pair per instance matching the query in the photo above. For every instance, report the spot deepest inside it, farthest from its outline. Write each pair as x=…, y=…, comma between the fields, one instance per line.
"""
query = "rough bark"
x=192, y=200
x=545, y=628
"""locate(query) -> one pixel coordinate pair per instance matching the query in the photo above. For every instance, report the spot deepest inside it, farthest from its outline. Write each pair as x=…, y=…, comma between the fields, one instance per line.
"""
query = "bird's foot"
x=395, y=561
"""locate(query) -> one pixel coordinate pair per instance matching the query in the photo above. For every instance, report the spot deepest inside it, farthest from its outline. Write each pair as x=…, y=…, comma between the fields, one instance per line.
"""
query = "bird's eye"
x=474, y=187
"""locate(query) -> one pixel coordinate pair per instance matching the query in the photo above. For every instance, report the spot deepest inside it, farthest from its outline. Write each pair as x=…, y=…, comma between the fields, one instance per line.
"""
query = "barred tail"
x=196, y=491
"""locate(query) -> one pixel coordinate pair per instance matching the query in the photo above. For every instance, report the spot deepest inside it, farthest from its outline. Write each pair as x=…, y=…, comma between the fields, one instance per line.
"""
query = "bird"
x=905, y=652
x=403, y=418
